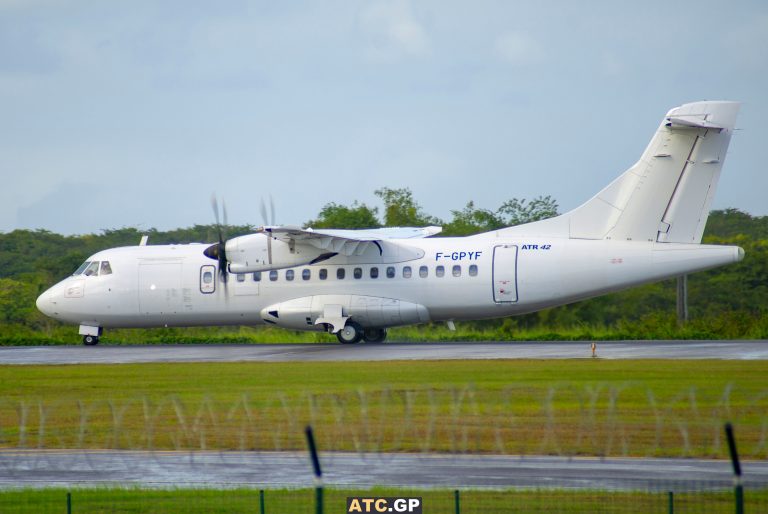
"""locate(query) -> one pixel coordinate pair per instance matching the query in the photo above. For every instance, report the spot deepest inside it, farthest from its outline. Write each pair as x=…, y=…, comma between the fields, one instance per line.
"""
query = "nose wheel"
x=90, y=340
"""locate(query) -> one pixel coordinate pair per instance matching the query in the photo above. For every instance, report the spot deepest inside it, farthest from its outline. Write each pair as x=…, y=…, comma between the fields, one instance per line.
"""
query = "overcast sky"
x=132, y=113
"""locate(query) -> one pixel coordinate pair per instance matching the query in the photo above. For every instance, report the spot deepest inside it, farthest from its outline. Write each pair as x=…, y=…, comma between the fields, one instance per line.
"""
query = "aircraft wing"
x=347, y=242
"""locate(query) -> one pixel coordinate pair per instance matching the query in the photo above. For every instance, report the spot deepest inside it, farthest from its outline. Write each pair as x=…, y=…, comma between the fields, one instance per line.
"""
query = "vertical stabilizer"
x=666, y=195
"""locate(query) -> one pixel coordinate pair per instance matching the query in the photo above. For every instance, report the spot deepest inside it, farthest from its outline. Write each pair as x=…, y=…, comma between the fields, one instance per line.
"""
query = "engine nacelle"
x=313, y=312
x=261, y=252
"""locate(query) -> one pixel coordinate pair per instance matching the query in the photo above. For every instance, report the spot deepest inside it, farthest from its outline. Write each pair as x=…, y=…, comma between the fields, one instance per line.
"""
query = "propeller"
x=218, y=251
x=268, y=221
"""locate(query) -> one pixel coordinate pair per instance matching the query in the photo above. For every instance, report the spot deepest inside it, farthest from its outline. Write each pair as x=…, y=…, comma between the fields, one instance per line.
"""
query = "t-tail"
x=666, y=196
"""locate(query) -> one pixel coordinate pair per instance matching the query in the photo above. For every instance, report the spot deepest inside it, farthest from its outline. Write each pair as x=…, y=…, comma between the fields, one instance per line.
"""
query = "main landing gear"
x=90, y=340
x=354, y=333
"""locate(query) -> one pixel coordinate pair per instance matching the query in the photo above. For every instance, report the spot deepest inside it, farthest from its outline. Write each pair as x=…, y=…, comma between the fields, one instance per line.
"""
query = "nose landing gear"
x=90, y=334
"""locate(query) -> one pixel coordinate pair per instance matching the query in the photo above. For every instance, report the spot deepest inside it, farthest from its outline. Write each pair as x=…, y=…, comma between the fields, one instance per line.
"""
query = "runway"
x=105, y=354
x=31, y=468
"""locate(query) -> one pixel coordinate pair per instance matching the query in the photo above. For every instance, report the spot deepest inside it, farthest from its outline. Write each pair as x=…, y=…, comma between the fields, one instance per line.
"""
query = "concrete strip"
x=78, y=468
x=105, y=354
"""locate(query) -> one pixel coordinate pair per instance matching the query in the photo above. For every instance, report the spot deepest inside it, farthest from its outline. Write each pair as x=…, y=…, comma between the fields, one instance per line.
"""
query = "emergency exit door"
x=505, y=274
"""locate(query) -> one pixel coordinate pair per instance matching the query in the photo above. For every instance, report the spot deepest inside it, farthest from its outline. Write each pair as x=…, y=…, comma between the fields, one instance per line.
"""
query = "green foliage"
x=729, y=223
x=518, y=211
x=358, y=215
x=401, y=210
x=472, y=220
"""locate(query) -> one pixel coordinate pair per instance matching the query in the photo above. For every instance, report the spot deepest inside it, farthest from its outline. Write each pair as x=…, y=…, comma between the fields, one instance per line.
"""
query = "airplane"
x=645, y=226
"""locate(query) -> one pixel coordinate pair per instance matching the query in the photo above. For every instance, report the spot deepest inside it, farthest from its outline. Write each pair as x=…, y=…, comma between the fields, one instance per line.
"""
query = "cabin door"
x=504, y=274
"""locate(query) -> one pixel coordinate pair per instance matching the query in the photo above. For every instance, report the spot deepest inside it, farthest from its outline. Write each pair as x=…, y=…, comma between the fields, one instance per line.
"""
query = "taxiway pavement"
x=106, y=354
x=73, y=468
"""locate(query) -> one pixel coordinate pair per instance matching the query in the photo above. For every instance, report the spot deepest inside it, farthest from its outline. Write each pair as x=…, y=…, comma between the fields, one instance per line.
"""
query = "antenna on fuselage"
x=144, y=240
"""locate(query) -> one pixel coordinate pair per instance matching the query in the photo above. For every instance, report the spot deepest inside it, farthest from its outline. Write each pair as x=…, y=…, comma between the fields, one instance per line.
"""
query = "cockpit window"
x=92, y=270
x=82, y=268
x=106, y=269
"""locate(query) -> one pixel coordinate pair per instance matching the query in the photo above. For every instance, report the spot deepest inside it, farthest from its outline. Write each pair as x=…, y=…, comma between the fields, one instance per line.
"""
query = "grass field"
x=295, y=501
x=574, y=407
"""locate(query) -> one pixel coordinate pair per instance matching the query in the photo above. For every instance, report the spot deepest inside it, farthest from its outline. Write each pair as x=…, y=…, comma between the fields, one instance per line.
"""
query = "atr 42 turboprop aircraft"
x=643, y=227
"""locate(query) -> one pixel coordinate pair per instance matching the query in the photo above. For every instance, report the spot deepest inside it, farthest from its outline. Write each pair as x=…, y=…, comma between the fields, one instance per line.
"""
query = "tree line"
x=731, y=301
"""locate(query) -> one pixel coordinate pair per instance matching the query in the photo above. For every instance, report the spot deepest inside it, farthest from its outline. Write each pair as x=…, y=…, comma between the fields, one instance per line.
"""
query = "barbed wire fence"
x=598, y=420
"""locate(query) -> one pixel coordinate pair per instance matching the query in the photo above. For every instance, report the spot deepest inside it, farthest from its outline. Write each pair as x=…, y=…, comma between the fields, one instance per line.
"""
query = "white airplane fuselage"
x=155, y=286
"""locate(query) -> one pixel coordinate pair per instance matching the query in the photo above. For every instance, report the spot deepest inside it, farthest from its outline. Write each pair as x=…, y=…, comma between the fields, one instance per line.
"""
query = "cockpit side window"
x=106, y=269
x=92, y=270
x=82, y=268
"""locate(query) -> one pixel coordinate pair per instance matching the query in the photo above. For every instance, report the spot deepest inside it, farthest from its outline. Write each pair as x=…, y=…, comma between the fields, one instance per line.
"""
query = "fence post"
x=738, y=488
x=69, y=502
x=457, y=501
x=262, y=510
x=318, y=472
x=671, y=502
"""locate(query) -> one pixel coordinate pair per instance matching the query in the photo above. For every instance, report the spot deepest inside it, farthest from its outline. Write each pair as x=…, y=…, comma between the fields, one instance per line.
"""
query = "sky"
x=118, y=114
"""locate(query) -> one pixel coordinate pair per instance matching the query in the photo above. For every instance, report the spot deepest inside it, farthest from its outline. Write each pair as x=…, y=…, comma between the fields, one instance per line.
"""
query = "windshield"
x=81, y=268
x=92, y=270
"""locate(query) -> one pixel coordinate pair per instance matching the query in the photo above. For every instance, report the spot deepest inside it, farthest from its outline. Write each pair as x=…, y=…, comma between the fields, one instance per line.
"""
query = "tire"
x=90, y=340
x=374, y=335
x=351, y=333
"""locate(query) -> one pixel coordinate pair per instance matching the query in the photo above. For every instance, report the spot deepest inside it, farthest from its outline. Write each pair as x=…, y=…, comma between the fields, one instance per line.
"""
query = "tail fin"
x=667, y=194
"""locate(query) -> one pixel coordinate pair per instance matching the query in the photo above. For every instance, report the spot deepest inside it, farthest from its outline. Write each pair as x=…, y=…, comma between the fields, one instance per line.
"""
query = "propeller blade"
x=215, y=206
x=263, y=209
x=224, y=215
x=271, y=210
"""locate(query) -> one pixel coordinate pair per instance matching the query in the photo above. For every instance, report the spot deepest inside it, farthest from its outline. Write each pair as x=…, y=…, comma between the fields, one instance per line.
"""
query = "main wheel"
x=90, y=340
x=374, y=335
x=351, y=333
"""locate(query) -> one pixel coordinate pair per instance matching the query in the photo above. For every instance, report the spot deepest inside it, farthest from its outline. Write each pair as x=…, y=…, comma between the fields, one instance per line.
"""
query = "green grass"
x=565, y=407
x=295, y=501
x=725, y=325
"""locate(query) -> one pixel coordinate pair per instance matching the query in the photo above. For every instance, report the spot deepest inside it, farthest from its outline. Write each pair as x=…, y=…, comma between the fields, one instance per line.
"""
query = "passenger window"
x=106, y=269
x=340, y=273
x=391, y=272
x=323, y=274
x=241, y=277
x=473, y=270
x=257, y=276
x=440, y=271
x=406, y=272
x=374, y=272
x=289, y=275
x=357, y=273
x=423, y=272
x=273, y=275
x=92, y=270
x=207, y=277
x=82, y=268
x=457, y=271
x=306, y=274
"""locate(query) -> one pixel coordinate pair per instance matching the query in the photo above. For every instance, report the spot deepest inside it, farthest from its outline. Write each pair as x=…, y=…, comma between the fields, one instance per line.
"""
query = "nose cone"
x=44, y=303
